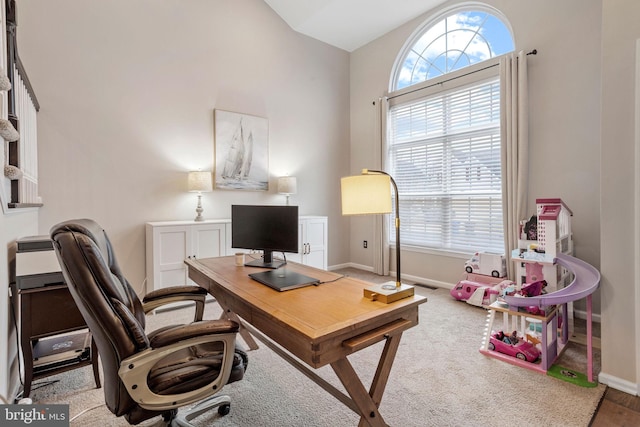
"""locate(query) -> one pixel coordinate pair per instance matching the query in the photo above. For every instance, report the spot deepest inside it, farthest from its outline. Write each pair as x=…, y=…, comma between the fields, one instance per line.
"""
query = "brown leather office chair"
x=145, y=374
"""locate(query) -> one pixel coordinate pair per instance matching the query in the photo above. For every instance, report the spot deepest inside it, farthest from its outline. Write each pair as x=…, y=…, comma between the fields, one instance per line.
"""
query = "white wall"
x=12, y=227
x=564, y=87
x=127, y=91
x=620, y=142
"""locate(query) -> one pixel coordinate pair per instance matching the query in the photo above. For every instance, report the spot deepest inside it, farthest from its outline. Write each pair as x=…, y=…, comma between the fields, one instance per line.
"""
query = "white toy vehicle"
x=486, y=263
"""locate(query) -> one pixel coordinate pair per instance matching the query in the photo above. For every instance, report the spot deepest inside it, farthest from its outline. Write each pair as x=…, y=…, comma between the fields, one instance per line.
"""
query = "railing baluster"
x=22, y=111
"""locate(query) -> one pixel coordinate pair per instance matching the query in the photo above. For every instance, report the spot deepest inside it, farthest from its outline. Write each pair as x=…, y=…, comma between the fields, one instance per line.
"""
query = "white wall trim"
x=348, y=265
x=581, y=314
x=406, y=278
x=637, y=211
x=410, y=279
x=618, y=383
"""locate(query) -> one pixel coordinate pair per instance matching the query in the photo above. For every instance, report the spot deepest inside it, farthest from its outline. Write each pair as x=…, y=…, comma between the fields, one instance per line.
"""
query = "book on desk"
x=283, y=280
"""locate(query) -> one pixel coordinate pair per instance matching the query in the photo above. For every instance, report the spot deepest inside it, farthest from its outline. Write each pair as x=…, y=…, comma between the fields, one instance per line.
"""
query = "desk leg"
x=244, y=333
x=368, y=403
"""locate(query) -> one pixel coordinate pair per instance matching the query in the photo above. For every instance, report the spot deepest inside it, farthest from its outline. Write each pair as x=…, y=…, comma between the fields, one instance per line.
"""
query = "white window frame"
x=398, y=66
x=468, y=76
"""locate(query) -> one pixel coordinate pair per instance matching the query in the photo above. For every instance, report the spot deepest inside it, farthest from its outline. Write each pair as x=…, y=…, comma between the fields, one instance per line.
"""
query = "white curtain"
x=515, y=148
x=381, y=226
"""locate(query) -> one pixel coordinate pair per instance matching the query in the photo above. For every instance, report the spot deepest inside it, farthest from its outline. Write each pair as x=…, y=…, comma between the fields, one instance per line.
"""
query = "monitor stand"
x=267, y=261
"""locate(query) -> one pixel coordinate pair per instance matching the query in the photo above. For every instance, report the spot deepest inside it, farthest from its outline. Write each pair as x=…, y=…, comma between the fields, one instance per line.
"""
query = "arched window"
x=443, y=132
x=461, y=38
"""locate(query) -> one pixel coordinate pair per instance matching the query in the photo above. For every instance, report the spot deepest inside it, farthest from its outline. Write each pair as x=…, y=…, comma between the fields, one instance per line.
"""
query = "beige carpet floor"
x=439, y=379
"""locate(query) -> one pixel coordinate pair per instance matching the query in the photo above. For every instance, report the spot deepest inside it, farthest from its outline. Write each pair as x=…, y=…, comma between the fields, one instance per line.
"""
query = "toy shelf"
x=513, y=319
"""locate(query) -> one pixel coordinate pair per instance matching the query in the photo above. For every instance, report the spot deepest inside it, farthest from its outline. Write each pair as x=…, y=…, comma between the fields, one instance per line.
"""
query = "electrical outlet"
x=365, y=244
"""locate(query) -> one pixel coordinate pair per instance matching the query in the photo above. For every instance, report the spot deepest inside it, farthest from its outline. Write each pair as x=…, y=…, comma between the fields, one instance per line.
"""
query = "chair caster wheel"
x=168, y=416
x=224, y=410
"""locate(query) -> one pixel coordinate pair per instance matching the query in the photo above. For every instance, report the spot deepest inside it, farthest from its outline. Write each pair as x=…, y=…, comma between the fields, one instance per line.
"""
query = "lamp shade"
x=366, y=194
x=287, y=185
x=199, y=181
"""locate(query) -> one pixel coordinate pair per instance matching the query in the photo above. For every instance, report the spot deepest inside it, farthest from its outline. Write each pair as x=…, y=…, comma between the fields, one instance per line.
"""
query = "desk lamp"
x=200, y=182
x=370, y=193
x=287, y=185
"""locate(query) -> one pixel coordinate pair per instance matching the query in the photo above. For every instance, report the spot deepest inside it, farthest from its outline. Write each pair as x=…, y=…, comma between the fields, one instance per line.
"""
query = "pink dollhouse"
x=544, y=253
x=552, y=236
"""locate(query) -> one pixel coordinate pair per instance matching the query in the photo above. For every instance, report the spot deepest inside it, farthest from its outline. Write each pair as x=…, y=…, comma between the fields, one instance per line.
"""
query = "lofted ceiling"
x=349, y=24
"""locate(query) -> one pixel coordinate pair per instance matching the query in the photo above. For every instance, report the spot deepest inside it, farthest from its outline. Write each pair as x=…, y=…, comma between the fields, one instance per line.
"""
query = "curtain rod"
x=533, y=52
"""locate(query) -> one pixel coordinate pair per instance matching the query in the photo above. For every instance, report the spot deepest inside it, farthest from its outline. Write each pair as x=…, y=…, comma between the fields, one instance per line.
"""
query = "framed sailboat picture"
x=241, y=151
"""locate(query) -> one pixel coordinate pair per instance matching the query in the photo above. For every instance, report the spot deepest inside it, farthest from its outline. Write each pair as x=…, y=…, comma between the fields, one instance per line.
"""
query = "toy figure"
x=531, y=228
x=514, y=338
x=533, y=289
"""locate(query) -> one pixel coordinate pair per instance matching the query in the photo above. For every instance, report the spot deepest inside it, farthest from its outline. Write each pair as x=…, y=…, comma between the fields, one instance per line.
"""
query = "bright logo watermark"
x=34, y=415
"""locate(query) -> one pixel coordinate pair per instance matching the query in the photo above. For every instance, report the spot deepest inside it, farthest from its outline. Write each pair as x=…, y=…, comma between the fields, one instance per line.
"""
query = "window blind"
x=444, y=153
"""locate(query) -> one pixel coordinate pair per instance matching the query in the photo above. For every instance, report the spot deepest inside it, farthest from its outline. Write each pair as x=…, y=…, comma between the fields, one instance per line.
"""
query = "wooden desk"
x=319, y=325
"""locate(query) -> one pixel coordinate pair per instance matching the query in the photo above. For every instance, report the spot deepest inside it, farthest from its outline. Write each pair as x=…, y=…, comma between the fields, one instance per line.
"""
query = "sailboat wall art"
x=241, y=151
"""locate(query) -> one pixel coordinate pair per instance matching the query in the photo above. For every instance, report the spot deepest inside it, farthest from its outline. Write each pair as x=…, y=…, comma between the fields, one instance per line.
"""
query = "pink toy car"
x=514, y=346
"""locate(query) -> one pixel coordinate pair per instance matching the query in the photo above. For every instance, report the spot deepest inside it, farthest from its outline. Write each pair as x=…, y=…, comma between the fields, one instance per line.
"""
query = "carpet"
x=439, y=379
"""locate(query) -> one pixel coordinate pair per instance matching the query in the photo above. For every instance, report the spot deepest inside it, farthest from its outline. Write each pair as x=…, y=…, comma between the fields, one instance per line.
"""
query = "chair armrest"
x=134, y=371
x=165, y=337
x=171, y=294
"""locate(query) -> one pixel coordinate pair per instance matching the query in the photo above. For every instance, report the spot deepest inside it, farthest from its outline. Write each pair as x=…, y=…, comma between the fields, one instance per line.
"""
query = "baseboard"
x=580, y=314
x=618, y=383
x=408, y=278
x=351, y=265
x=15, y=382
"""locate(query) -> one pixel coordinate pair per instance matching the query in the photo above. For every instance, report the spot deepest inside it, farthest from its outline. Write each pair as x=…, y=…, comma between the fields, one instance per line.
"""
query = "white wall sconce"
x=287, y=185
x=200, y=182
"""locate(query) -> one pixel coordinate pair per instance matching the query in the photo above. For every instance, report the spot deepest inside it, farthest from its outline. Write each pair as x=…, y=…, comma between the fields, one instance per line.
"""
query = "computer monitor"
x=266, y=228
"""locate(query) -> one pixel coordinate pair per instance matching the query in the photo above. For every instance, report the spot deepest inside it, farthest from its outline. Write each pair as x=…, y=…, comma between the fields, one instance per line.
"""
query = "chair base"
x=223, y=404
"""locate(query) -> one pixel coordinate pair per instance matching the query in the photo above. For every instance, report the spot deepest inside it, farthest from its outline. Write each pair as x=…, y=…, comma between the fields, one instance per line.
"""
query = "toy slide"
x=585, y=282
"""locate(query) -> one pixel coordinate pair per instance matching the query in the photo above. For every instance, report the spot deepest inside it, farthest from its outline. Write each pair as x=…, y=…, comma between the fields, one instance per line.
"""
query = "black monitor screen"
x=266, y=228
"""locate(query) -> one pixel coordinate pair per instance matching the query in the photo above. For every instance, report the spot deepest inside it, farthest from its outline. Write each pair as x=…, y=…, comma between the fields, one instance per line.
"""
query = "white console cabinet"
x=312, y=234
x=169, y=243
